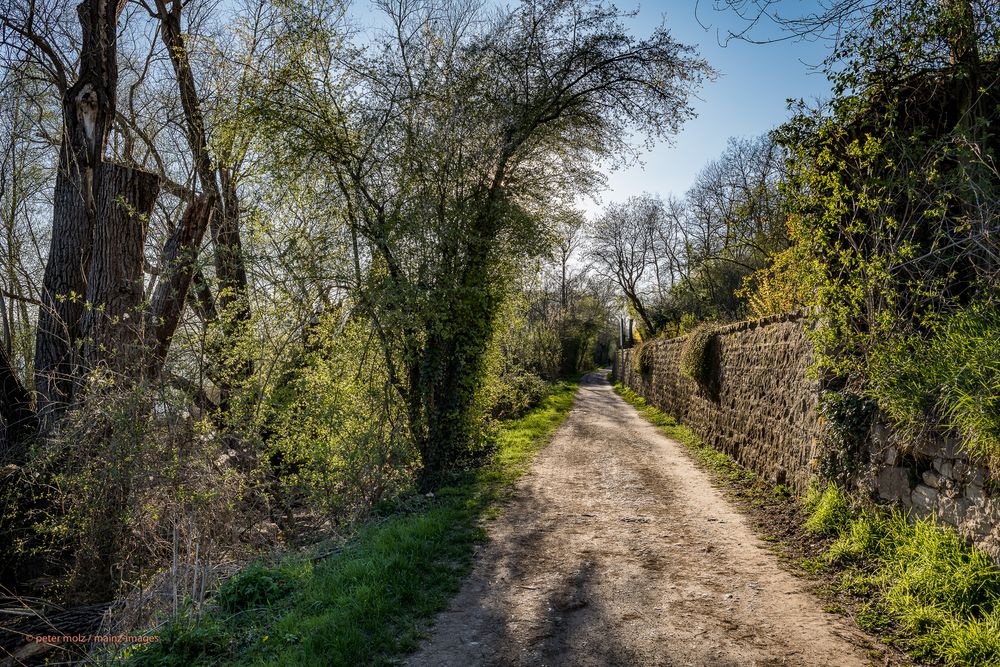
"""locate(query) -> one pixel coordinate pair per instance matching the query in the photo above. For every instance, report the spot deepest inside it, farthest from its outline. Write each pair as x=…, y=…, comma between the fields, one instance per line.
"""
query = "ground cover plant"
x=371, y=600
x=938, y=597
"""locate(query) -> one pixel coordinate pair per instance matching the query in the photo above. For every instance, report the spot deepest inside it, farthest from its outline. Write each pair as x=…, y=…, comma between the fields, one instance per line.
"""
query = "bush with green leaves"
x=254, y=587
x=517, y=392
x=848, y=418
x=699, y=355
x=131, y=482
x=891, y=189
x=339, y=443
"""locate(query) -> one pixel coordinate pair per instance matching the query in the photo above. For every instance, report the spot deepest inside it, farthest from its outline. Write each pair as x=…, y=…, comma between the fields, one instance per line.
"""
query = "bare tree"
x=623, y=247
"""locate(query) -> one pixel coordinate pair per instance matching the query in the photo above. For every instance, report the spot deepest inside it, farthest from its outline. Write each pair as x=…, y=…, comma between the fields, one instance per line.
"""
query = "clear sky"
x=748, y=98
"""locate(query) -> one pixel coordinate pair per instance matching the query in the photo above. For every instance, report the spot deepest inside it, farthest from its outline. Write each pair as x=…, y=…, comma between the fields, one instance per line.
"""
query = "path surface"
x=617, y=550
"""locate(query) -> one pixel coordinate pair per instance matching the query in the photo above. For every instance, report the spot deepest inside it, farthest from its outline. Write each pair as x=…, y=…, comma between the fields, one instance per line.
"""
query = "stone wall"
x=762, y=408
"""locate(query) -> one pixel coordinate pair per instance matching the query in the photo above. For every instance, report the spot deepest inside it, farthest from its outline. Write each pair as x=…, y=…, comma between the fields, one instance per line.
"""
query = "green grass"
x=372, y=601
x=829, y=511
x=938, y=596
x=948, y=375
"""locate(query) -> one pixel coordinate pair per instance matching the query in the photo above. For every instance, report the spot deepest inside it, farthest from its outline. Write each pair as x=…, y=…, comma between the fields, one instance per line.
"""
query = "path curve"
x=617, y=550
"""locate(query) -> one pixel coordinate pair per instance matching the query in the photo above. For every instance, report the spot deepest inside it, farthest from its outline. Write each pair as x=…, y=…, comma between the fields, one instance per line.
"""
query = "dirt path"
x=617, y=550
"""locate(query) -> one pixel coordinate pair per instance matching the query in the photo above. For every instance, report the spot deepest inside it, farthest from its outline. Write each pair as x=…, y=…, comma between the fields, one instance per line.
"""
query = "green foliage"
x=949, y=376
x=941, y=596
x=337, y=443
x=184, y=641
x=369, y=602
x=889, y=188
x=642, y=358
x=699, y=357
x=829, y=511
x=516, y=393
x=255, y=586
x=787, y=283
x=103, y=491
x=848, y=417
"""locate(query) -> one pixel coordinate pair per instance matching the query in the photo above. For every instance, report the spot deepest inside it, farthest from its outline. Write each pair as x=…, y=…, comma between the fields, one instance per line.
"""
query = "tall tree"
x=442, y=139
x=622, y=245
x=216, y=177
x=88, y=113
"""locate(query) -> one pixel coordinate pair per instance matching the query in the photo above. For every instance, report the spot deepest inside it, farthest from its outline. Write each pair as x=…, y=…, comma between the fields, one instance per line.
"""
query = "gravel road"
x=617, y=550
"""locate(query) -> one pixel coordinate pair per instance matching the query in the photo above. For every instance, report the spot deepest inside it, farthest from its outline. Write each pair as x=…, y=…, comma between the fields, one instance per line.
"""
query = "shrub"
x=788, y=283
x=338, y=443
x=132, y=482
x=849, y=418
x=642, y=358
x=256, y=586
x=699, y=357
x=949, y=377
x=518, y=391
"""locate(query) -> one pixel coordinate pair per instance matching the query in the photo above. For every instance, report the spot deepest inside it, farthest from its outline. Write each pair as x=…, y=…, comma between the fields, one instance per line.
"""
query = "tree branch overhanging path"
x=443, y=146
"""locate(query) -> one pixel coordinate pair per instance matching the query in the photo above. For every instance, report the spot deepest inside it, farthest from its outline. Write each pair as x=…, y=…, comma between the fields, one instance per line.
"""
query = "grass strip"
x=917, y=582
x=371, y=602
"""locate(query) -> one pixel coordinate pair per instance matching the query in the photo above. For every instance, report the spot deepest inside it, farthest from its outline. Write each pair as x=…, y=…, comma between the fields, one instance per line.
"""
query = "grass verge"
x=371, y=602
x=913, y=583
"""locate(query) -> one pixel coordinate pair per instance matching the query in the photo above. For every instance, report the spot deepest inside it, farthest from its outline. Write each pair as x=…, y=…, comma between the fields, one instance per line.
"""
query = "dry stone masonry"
x=762, y=408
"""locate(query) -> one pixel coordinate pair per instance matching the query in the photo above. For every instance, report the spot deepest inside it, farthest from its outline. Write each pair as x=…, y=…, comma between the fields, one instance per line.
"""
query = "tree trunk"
x=18, y=421
x=451, y=368
x=179, y=254
x=230, y=267
x=112, y=325
x=88, y=112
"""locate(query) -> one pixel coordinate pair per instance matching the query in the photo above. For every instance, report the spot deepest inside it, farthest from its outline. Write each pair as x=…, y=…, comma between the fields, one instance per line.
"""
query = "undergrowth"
x=369, y=602
x=948, y=376
x=938, y=597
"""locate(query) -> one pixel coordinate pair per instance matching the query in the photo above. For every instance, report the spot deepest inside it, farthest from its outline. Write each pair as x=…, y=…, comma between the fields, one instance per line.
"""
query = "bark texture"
x=17, y=417
x=112, y=325
x=179, y=254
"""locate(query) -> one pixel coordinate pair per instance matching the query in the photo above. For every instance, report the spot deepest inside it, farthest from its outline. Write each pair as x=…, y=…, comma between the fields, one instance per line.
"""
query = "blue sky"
x=748, y=98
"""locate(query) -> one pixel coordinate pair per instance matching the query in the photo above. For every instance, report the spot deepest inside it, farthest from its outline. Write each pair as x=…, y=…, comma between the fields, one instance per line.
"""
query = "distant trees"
x=623, y=248
x=690, y=257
